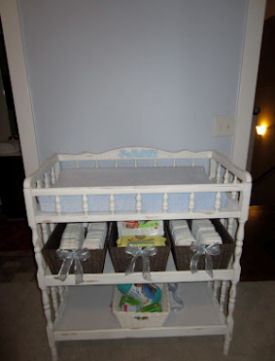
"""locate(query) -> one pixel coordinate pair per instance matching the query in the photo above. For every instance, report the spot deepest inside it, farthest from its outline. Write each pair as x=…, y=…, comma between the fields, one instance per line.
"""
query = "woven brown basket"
x=183, y=254
x=122, y=260
x=94, y=264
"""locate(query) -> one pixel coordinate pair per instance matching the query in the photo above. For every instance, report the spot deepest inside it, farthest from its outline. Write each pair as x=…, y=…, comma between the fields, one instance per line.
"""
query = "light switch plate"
x=224, y=125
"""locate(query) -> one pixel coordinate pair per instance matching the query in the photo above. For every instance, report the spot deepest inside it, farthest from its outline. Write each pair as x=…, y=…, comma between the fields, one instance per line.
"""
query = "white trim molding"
x=248, y=79
x=18, y=75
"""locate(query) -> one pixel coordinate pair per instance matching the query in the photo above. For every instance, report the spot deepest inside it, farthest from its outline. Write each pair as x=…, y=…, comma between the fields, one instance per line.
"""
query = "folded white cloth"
x=209, y=237
x=200, y=231
x=72, y=236
x=201, y=223
x=183, y=236
x=179, y=223
x=204, y=231
x=73, y=230
x=95, y=244
x=97, y=226
x=96, y=235
x=184, y=242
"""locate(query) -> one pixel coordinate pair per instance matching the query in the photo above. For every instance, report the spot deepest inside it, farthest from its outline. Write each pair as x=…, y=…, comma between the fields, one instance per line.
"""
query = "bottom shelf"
x=87, y=315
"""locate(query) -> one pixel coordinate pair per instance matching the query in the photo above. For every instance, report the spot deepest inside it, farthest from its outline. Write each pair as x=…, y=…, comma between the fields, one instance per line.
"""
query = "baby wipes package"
x=140, y=228
x=141, y=241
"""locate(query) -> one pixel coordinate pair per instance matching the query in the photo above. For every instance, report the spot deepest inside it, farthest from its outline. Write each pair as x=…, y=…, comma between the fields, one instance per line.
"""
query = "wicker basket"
x=183, y=254
x=141, y=319
x=94, y=264
x=121, y=260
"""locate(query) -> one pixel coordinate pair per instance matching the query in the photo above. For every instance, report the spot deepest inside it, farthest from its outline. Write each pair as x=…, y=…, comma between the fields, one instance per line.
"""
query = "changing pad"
x=123, y=177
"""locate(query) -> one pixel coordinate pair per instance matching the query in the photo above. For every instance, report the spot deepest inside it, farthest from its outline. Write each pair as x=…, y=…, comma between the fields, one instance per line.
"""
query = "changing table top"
x=121, y=177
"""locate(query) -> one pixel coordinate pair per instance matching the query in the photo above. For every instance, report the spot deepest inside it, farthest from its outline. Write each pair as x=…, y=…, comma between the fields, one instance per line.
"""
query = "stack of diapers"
x=181, y=233
x=79, y=235
x=200, y=244
x=77, y=248
x=95, y=237
x=73, y=236
x=204, y=231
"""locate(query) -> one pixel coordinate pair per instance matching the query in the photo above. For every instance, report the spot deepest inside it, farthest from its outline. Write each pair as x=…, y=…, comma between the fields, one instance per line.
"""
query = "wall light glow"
x=261, y=129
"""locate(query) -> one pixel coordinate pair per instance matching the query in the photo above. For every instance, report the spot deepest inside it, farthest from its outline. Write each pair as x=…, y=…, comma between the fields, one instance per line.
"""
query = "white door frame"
x=248, y=79
x=22, y=100
x=20, y=89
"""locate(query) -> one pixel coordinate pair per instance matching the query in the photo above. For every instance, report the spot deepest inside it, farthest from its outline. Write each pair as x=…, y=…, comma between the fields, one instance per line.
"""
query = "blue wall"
x=112, y=73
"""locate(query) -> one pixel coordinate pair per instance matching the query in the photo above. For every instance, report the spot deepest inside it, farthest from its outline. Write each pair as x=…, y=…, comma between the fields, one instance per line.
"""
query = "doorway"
x=259, y=243
x=11, y=162
x=263, y=156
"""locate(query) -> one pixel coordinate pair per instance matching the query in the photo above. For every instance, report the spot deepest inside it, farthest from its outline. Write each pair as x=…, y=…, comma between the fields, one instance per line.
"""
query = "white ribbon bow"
x=69, y=257
x=144, y=253
x=200, y=249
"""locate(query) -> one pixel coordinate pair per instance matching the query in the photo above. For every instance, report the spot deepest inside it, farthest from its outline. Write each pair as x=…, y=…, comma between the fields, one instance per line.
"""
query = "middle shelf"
x=171, y=263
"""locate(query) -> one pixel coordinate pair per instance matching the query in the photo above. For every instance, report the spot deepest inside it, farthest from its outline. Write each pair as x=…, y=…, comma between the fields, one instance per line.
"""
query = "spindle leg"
x=224, y=288
x=50, y=332
x=233, y=289
x=216, y=287
x=54, y=300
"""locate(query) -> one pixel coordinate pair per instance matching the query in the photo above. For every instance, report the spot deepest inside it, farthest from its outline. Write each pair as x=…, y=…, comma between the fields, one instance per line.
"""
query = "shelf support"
x=57, y=205
x=218, y=175
x=218, y=201
x=112, y=204
x=191, y=202
x=85, y=204
x=165, y=202
x=138, y=203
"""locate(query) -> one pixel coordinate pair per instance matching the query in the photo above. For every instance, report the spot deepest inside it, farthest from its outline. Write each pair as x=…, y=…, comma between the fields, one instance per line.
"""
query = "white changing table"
x=82, y=312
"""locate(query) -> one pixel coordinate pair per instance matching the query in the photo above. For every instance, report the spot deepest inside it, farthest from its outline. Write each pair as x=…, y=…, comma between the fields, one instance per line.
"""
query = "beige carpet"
x=23, y=335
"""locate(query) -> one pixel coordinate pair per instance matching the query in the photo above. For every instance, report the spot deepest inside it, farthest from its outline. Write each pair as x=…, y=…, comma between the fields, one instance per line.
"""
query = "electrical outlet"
x=223, y=125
